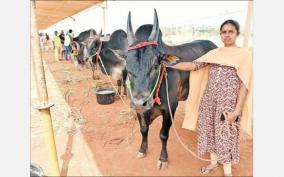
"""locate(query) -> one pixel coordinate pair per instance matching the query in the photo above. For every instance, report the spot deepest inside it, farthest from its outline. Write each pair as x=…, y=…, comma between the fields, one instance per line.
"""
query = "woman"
x=220, y=93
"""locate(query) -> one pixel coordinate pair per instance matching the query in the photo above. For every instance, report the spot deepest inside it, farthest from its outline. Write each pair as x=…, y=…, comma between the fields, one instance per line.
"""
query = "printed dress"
x=220, y=96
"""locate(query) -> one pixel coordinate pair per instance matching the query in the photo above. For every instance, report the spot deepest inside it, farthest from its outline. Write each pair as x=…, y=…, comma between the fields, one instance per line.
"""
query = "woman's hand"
x=231, y=116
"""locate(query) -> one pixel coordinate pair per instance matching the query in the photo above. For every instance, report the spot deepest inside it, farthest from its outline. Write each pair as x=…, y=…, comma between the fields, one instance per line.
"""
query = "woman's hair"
x=232, y=22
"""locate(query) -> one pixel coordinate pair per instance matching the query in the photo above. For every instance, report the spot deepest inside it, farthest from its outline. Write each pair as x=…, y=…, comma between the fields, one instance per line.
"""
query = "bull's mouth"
x=141, y=106
x=141, y=109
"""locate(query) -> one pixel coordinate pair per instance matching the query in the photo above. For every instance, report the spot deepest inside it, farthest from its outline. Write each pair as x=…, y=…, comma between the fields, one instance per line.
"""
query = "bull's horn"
x=100, y=33
x=91, y=33
x=155, y=30
x=130, y=34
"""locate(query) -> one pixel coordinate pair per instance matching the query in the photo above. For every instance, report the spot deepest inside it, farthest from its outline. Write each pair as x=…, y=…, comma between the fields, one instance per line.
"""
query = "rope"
x=224, y=126
x=127, y=108
x=99, y=51
x=157, y=98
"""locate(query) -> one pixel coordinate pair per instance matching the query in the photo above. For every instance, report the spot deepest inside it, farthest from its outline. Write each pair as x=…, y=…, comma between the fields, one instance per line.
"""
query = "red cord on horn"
x=143, y=44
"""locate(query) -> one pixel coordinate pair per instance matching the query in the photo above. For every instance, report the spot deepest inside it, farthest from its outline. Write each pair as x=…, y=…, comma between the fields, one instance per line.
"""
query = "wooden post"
x=44, y=105
x=248, y=25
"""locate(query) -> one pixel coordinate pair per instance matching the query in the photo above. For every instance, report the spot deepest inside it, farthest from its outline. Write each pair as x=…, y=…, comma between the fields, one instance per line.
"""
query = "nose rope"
x=98, y=52
x=157, y=98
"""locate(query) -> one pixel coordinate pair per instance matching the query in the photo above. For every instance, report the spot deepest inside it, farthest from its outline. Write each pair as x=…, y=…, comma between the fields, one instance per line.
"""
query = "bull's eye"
x=131, y=75
x=156, y=67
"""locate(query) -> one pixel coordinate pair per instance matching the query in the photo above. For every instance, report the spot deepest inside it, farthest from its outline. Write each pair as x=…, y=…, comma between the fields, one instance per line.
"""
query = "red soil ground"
x=114, y=137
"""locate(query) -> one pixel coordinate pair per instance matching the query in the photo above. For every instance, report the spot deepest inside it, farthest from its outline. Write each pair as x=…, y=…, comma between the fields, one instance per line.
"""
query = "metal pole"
x=44, y=105
x=104, y=20
x=248, y=25
x=74, y=26
x=104, y=8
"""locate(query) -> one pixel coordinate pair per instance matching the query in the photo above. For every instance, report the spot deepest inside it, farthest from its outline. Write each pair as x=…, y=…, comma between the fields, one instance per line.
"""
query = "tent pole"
x=44, y=105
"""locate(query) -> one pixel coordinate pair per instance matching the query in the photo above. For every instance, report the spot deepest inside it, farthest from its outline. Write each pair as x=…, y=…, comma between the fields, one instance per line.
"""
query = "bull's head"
x=143, y=63
x=91, y=45
x=112, y=59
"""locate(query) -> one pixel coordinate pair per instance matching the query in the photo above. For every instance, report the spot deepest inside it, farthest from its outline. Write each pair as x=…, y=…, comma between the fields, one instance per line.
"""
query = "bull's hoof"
x=140, y=155
x=96, y=77
x=162, y=164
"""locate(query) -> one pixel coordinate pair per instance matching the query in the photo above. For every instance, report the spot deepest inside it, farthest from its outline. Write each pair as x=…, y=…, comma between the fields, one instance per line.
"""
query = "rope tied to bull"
x=156, y=87
x=225, y=128
x=98, y=52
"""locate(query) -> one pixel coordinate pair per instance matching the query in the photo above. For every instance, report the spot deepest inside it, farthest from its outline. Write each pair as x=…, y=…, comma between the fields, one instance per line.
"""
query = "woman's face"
x=229, y=35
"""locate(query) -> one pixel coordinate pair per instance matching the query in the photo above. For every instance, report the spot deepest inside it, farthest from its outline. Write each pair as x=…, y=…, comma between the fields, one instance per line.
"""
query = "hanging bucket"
x=105, y=95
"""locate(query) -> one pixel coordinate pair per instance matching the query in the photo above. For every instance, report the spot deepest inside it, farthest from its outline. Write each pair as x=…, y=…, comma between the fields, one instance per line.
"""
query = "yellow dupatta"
x=238, y=58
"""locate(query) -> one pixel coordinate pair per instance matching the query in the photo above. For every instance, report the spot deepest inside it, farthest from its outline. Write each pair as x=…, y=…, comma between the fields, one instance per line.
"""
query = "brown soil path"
x=114, y=138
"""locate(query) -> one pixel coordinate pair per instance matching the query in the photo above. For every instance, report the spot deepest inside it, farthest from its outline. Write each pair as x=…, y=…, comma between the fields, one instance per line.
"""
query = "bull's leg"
x=164, y=135
x=124, y=76
x=144, y=127
x=124, y=89
x=119, y=86
x=93, y=71
x=95, y=74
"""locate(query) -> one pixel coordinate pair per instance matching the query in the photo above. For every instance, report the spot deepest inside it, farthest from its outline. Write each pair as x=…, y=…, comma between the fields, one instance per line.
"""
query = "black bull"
x=142, y=66
x=109, y=51
x=90, y=43
x=80, y=44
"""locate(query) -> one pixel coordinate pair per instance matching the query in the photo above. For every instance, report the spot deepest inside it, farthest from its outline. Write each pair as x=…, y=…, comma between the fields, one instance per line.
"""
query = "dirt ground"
x=114, y=137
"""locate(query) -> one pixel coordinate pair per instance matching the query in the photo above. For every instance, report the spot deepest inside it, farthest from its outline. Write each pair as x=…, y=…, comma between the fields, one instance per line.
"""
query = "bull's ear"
x=170, y=59
x=101, y=32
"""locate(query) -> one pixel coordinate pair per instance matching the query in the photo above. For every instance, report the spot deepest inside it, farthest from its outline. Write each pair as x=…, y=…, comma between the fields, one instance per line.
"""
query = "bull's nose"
x=138, y=102
x=140, y=105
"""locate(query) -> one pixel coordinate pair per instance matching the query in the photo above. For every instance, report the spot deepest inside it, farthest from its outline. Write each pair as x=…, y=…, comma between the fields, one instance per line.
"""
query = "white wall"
x=171, y=13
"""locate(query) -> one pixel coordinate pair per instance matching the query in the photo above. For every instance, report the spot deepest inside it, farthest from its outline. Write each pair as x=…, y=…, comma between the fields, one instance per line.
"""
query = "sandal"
x=229, y=175
x=208, y=169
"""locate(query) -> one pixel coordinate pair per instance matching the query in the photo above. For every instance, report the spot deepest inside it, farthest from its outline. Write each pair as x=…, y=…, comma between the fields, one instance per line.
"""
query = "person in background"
x=41, y=40
x=47, y=42
x=56, y=45
x=62, y=38
x=67, y=43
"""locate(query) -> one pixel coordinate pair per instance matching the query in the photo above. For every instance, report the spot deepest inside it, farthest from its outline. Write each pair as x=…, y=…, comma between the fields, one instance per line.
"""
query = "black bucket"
x=105, y=95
